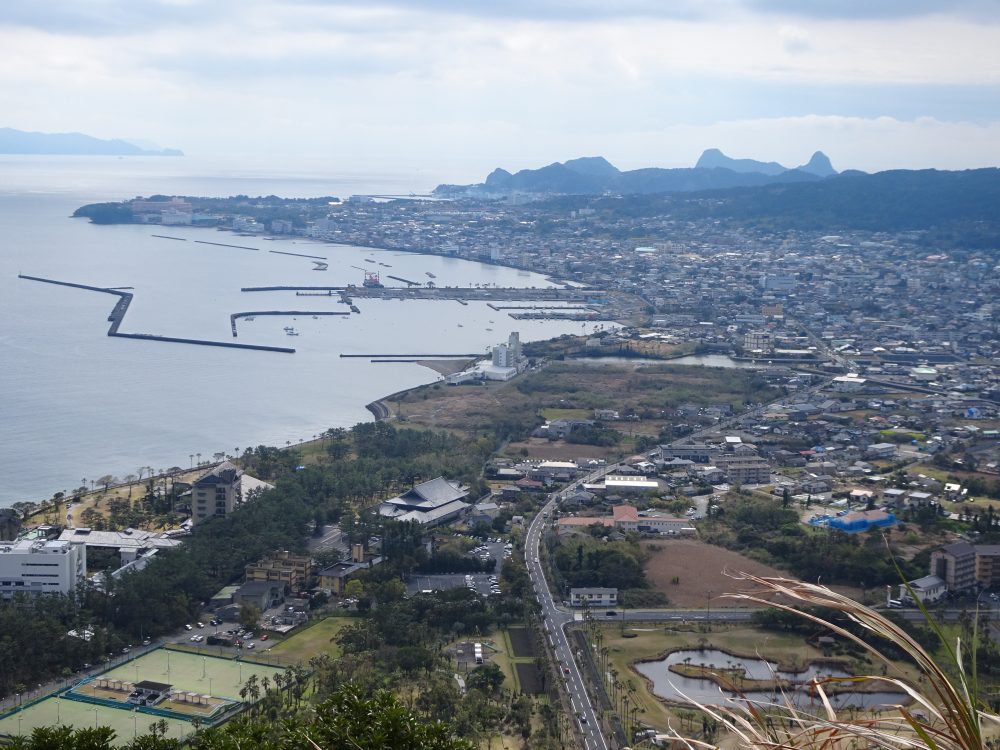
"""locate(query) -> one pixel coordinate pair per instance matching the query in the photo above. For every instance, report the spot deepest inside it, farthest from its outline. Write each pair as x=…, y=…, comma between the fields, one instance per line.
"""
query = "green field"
x=201, y=674
x=127, y=724
x=185, y=671
x=314, y=640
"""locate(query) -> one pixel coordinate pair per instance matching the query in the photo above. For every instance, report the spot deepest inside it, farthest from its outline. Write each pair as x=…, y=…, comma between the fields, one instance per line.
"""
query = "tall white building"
x=32, y=566
x=509, y=354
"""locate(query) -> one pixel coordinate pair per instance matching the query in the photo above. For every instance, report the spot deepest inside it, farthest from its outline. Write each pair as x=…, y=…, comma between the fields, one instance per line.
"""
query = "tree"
x=249, y=615
x=345, y=720
x=354, y=589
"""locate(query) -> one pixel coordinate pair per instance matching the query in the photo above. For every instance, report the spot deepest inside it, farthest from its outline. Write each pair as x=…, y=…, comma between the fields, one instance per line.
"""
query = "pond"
x=679, y=688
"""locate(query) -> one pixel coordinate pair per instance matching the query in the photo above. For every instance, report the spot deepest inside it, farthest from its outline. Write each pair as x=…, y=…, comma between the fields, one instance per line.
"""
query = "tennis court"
x=184, y=672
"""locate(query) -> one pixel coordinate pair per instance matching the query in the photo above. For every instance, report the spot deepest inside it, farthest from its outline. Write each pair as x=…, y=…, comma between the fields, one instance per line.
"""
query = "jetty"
x=278, y=313
x=400, y=278
x=224, y=244
x=411, y=357
x=297, y=255
x=117, y=315
x=465, y=294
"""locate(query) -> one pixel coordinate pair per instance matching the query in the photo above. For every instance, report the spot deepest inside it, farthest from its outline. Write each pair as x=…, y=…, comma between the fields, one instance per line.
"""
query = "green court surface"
x=201, y=674
x=185, y=671
x=51, y=711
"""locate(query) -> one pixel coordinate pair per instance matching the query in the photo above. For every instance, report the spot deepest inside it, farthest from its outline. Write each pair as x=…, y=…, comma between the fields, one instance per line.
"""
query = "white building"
x=34, y=566
x=927, y=589
x=593, y=597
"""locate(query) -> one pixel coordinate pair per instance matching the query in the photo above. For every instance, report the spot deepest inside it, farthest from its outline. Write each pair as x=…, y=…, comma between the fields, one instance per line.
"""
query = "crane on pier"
x=372, y=280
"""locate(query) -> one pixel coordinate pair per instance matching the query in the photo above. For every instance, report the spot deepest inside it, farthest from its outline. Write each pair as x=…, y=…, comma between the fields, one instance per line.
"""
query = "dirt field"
x=521, y=641
x=699, y=568
x=558, y=450
x=530, y=678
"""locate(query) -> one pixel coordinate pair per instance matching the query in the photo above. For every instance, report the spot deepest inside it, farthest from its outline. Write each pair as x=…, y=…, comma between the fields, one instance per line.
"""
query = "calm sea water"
x=75, y=404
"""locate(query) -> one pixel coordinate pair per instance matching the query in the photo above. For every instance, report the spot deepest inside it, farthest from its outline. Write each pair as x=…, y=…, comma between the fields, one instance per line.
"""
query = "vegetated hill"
x=72, y=144
x=819, y=164
x=595, y=175
x=896, y=200
x=956, y=209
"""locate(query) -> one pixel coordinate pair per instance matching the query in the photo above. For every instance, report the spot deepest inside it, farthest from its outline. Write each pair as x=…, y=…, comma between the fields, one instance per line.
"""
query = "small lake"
x=702, y=360
x=675, y=687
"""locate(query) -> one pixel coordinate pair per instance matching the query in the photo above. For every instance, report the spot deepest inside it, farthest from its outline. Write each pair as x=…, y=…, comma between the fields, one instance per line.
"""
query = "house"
x=429, y=503
x=593, y=597
x=261, y=594
x=335, y=578
x=881, y=450
x=925, y=590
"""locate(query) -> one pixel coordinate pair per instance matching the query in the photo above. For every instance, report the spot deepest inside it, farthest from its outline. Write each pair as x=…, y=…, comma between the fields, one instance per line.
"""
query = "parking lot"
x=480, y=582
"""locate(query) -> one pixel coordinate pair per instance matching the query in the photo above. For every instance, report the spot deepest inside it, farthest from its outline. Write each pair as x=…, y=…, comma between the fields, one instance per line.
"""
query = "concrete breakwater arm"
x=118, y=315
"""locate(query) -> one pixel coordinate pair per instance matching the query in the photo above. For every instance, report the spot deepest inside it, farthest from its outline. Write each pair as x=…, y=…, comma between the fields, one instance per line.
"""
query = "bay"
x=76, y=404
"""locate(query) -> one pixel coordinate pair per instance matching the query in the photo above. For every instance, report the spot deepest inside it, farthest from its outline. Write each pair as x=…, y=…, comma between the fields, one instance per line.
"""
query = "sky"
x=458, y=87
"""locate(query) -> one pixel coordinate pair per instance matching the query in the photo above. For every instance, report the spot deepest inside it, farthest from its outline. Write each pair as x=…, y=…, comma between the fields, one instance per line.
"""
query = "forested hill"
x=890, y=201
x=959, y=206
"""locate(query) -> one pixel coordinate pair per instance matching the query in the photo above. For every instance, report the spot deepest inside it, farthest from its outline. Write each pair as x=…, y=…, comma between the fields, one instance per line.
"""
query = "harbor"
x=117, y=316
x=250, y=315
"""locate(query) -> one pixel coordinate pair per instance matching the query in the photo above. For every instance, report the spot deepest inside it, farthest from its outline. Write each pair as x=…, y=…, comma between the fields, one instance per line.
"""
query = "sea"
x=76, y=404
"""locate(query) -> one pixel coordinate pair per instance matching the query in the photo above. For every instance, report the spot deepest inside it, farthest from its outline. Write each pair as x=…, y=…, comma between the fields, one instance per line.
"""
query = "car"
x=583, y=719
x=200, y=624
x=126, y=650
x=565, y=670
x=146, y=641
x=264, y=637
x=251, y=645
x=194, y=639
x=188, y=627
x=611, y=613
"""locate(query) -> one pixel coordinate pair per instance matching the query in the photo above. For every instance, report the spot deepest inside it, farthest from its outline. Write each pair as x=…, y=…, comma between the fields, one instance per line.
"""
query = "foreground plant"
x=943, y=712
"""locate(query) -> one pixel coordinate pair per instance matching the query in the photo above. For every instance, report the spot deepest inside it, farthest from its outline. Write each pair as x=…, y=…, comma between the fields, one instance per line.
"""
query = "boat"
x=249, y=319
x=431, y=275
x=291, y=332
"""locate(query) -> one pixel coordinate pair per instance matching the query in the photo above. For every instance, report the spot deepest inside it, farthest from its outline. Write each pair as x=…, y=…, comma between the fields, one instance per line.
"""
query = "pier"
x=223, y=244
x=412, y=357
x=297, y=255
x=252, y=314
x=168, y=237
x=121, y=307
x=464, y=294
x=400, y=278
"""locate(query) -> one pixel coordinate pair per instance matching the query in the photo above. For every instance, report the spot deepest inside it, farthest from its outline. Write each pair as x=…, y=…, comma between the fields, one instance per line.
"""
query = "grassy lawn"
x=314, y=640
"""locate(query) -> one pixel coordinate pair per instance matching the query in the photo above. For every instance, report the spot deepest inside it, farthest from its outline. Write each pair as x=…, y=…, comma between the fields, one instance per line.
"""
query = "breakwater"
x=224, y=244
x=117, y=315
x=168, y=237
x=297, y=255
x=412, y=356
x=287, y=313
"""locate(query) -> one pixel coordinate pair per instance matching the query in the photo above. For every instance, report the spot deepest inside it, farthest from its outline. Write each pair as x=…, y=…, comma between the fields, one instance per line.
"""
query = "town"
x=539, y=528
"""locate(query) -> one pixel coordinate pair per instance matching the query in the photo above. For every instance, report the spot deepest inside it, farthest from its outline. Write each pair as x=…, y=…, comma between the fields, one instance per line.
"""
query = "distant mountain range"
x=75, y=144
x=594, y=175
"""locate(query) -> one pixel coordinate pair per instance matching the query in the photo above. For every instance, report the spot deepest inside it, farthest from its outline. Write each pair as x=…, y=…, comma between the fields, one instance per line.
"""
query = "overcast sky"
x=461, y=86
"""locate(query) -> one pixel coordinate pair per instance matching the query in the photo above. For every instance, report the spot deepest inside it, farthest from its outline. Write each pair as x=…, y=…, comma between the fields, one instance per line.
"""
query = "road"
x=556, y=619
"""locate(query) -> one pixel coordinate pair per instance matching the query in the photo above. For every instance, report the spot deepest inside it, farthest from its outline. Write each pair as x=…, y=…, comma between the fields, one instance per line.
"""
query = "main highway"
x=556, y=619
